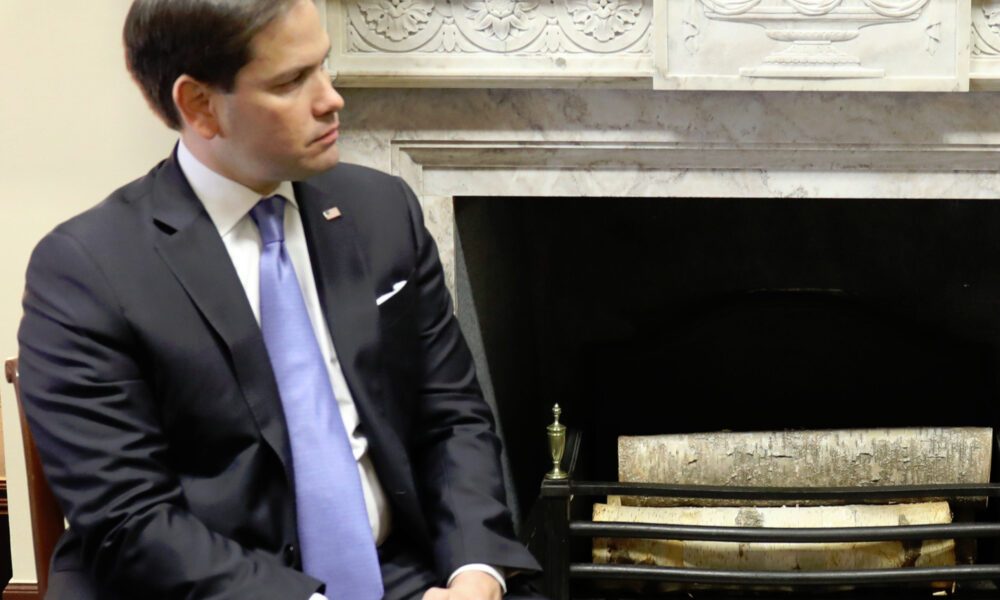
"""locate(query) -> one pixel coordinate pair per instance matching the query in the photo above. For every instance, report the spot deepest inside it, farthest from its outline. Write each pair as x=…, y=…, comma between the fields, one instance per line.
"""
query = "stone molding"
x=444, y=169
x=440, y=170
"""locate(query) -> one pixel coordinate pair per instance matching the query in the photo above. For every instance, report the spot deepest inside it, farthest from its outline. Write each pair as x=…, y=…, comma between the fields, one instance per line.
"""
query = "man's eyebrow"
x=298, y=70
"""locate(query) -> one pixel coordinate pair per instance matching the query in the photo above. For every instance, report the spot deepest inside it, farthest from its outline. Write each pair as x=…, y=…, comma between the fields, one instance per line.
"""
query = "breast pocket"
x=401, y=357
x=398, y=305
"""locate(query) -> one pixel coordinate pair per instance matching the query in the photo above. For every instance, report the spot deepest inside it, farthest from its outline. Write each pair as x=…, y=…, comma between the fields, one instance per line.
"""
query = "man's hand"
x=468, y=585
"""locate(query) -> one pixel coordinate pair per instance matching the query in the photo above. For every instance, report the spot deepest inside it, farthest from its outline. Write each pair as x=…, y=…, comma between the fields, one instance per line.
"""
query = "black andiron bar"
x=568, y=571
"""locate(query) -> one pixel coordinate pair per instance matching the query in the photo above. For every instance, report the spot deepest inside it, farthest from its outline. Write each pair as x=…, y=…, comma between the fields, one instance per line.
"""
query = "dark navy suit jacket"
x=150, y=395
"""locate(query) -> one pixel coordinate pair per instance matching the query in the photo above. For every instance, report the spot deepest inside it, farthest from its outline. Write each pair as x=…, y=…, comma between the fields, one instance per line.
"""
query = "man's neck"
x=202, y=149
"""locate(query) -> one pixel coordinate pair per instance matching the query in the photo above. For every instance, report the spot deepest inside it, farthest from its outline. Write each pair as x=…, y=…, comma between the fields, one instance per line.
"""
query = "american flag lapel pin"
x=331, y=213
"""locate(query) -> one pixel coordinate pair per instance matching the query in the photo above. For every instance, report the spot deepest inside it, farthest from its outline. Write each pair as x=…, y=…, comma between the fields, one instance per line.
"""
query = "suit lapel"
x=346, y=290
x=195, y=253
x=193, y=250
x=347, y=294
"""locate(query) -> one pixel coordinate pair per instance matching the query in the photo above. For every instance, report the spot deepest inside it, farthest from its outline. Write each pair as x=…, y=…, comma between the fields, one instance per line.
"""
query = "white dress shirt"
x=228, y=205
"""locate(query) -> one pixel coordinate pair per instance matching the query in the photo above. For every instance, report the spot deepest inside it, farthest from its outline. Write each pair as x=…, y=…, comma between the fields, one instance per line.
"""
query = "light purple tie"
x=336, y=538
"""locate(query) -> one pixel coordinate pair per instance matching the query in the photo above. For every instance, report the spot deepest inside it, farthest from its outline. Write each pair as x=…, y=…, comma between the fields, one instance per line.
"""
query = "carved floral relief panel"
x=505, y=39
x=986, y=43
x=986, y=28
x=497, y=26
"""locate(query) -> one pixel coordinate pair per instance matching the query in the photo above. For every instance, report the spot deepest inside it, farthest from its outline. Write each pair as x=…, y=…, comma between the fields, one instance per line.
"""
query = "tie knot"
x=269, y=215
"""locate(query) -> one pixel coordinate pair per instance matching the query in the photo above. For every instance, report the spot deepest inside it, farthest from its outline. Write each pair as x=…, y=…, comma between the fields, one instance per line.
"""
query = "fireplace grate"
x=556, y=528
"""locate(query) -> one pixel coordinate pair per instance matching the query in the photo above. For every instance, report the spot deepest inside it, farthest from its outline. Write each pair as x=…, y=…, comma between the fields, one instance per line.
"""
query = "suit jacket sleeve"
x=457, y=450
x=87, y=398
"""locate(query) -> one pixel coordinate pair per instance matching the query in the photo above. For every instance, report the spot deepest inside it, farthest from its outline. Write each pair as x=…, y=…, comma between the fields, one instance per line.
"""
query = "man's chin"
x=317, y=165
x=327, y=160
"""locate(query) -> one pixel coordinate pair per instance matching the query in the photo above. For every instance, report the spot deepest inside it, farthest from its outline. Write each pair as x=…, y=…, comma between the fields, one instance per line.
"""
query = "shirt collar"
x=226, y=201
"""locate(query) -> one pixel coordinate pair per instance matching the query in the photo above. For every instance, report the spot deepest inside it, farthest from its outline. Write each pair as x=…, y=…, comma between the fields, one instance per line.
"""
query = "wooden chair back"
x=46, y=516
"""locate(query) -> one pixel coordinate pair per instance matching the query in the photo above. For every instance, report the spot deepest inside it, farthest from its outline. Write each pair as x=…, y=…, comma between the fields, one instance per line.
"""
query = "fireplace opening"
x=664, y=315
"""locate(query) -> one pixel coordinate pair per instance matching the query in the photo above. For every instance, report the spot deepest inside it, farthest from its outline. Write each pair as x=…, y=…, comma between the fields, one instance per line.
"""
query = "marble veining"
x=621, y=143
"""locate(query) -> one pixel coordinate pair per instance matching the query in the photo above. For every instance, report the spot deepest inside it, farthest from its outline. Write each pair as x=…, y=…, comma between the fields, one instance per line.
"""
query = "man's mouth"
x=329, y=137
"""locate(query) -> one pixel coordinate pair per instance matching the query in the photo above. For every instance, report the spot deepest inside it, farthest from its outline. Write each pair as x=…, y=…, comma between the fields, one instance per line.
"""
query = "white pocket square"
x=395, y=289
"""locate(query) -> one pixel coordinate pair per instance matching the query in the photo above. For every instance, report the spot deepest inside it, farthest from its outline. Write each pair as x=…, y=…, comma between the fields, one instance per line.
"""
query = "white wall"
x=73, y=127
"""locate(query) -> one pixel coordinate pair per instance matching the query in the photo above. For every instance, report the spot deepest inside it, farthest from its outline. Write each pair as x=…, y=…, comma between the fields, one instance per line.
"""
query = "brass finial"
x=557, y=444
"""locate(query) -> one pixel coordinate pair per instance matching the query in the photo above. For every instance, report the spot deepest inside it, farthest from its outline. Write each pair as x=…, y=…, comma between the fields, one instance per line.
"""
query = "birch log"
x=777, y=556
x=856, y=457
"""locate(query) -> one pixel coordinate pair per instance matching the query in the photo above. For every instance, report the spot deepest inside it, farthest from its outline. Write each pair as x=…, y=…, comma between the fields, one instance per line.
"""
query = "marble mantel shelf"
x=595, y=155
x=795, y=45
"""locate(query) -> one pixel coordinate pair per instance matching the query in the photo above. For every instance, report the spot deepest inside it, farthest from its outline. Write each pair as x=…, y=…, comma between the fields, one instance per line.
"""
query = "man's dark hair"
x=210, y=40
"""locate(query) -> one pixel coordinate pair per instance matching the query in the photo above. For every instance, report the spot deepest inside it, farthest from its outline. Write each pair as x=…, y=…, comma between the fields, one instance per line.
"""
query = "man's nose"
x=328, y=100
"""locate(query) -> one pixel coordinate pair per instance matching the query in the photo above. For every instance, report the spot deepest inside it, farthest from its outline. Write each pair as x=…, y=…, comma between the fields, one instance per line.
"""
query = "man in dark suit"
x=162, y=373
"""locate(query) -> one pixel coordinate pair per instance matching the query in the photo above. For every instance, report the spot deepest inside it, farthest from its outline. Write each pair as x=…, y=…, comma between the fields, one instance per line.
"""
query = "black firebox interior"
x=651, y=315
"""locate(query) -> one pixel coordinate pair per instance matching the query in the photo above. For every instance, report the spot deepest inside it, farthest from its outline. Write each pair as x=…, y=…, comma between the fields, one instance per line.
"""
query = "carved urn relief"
x=852, y=45
x=813, y=28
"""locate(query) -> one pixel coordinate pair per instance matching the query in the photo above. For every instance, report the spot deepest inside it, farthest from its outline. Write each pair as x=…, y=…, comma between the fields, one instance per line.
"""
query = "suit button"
x=288, y=554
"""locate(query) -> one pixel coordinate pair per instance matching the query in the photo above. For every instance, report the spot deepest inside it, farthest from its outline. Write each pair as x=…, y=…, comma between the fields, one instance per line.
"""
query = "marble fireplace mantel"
x=457, y=118
x=669, y=97
x=618, y=144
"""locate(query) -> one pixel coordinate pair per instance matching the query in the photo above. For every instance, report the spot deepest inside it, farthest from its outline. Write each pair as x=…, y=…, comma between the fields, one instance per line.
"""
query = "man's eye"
x=292, y=82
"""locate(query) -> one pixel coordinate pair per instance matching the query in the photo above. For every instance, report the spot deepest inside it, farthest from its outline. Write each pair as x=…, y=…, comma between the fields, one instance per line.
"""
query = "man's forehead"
x=294, y=39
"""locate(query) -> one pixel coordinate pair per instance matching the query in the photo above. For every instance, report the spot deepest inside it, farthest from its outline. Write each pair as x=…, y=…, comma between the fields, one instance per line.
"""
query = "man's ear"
x=194, y=102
